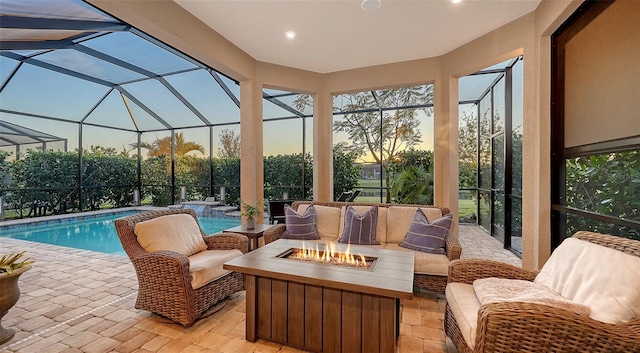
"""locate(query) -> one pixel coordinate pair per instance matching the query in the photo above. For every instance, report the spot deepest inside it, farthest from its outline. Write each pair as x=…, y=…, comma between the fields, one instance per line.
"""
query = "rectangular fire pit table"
x=321, y=307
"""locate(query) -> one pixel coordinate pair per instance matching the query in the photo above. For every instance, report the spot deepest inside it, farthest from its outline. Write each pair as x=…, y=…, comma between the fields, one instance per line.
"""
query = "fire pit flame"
x=329, y=255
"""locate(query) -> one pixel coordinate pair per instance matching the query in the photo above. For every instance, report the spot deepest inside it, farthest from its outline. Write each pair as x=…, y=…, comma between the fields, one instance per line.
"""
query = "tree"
x=102, y=151
x=5, y=165
x=382, y=134
x=412, y=185
x=345, y=170
x=162, y=146
x=229, y=144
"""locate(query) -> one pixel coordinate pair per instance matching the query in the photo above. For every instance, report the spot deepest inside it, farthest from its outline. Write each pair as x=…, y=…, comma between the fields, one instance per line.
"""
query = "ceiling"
x=335, y=35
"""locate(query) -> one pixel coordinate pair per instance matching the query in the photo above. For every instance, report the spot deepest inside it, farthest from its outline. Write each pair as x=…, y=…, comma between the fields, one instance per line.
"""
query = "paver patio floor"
x=82, y=301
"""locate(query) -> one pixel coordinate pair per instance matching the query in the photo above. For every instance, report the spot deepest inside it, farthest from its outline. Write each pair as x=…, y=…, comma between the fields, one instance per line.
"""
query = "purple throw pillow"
x=300, y=227
x=360, y=229
x=427, y=237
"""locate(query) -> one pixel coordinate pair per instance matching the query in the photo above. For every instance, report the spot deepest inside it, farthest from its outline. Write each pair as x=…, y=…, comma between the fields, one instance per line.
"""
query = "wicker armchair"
x=430, y=282
x=164, y=284
x=527, y=327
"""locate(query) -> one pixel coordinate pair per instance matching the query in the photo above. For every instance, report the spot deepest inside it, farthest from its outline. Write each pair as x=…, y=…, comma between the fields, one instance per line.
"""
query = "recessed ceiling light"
x=456, y=1
x=290, y=34
x=370, y=5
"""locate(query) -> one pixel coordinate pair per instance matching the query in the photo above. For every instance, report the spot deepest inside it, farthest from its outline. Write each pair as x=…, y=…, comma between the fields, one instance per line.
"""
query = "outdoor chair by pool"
x=179, y=267
x=586, y=298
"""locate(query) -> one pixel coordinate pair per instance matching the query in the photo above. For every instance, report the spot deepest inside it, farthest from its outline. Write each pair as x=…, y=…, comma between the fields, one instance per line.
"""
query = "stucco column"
x=251, y=161
x=323, y=146
x=536, y=166
x=446, y=143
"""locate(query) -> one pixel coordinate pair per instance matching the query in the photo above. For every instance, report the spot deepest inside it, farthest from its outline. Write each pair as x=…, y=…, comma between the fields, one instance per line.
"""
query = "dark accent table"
x=252, y=234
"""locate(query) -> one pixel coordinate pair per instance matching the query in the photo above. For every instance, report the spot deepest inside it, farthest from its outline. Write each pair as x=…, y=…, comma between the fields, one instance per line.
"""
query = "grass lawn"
x=370, y=183
x=467, y=208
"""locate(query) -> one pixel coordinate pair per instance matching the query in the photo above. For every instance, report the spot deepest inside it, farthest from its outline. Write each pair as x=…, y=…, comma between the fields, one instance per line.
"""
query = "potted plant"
x=11, y=267
x=251, y=211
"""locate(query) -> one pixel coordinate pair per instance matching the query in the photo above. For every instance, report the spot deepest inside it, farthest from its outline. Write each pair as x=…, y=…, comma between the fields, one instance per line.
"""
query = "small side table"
x=252, y=234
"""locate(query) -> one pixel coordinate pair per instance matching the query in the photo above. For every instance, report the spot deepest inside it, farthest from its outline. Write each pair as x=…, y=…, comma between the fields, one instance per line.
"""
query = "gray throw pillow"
x=426, y=237
x=300, y=227
x=360, y=229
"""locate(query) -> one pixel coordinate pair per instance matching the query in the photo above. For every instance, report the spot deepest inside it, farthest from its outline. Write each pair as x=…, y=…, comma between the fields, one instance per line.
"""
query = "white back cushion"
x=399, y=219
x=327, y=219
x=177, y=232
x=604, y=279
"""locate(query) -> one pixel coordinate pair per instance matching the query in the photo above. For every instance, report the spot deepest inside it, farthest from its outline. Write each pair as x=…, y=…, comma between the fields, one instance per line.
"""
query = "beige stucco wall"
x=527, y=36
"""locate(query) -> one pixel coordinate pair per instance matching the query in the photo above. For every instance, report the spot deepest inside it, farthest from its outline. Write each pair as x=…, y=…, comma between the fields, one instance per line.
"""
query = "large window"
x=288, y=163
x=388, y=134
x=490, y=151
x=595, y=127
x=95, y=118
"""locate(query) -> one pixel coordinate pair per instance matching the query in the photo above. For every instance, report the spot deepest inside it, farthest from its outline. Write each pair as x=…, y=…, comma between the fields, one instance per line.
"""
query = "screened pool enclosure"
x=116, y=113
x=127, y=111
x=138, y=117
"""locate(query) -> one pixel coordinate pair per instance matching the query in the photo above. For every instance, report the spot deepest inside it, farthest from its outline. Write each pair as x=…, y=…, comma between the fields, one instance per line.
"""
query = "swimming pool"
x=95, y=233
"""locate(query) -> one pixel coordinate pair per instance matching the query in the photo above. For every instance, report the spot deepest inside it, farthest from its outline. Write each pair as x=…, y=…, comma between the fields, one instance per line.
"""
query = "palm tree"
x=413, y=185
x=162, y=146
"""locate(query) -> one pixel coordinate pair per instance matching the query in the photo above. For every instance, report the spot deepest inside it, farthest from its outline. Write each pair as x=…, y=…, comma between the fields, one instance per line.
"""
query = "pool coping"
x=34, y=221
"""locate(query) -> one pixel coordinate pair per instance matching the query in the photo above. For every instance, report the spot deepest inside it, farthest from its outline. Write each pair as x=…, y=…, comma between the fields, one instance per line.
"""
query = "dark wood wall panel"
x=296, y=317
x=351, y=322
x=370, y=323
x=279, y=310
x=313, y=318
x=332, y=317
x=264, y=307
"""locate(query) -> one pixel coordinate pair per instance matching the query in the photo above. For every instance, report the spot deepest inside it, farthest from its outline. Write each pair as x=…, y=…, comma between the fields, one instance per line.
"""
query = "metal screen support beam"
x=224, y=87
x=139, y=149
x=10, y=76
x=173, y=166
x=19, y=22
x=56, y=68
x=184, y=101
x=80, y=153
x=96, y=105
x=34, y=45
x=144, y=107
x=280, y=104
x=211, y=135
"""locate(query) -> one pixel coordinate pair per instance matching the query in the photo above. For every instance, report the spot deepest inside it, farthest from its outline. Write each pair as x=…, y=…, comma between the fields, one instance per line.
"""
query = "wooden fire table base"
x=319, y=319
x=324, y=309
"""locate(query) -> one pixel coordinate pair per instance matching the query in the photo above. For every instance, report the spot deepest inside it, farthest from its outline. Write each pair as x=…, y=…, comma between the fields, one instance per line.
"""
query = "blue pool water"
x=95, y=233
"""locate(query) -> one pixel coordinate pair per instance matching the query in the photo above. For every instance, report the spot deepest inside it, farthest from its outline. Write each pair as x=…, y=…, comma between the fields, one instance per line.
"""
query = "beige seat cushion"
x=464, y=305
x=399, y=219
x=177, y=232
x=206, y=266
x=327, y=219
x=381, y=226
x=604, y=279
x=425, y=263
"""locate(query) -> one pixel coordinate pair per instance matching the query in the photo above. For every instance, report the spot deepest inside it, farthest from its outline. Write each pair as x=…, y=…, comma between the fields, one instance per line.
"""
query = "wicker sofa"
x=165, y=282
x=430, y=269
x=525, y=326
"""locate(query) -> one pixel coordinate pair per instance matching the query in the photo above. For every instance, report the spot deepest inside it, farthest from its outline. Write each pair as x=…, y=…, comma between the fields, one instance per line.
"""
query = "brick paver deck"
x=82, y=301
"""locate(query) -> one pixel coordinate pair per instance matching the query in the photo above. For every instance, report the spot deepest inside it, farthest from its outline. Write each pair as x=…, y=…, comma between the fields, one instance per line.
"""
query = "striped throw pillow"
x=360, y=229
x=426, y=237
x=300, y=227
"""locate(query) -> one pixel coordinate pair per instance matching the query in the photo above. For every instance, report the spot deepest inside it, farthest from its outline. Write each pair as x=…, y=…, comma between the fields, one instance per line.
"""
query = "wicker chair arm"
x=541, y=328
x=468, y=270
x=227, y=241
x=453, y=247
x=163, y=266
x=274, y=233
